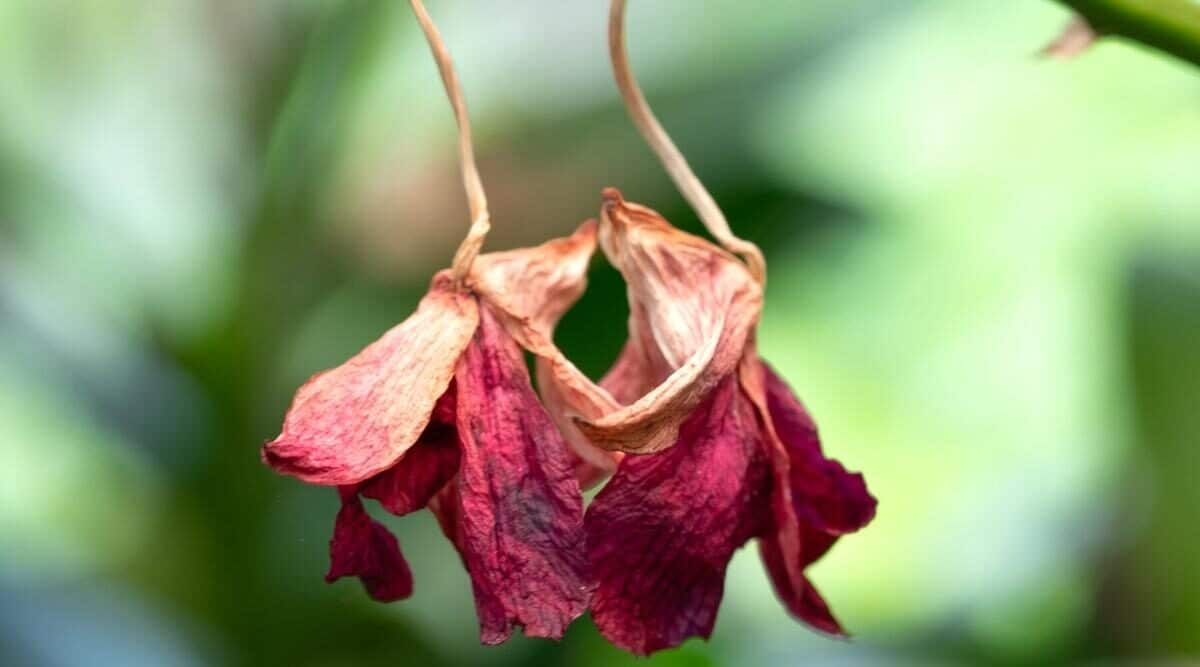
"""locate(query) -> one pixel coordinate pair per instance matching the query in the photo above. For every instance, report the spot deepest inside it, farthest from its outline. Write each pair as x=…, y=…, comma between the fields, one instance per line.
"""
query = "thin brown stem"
x=668, y=154
x=468, y=250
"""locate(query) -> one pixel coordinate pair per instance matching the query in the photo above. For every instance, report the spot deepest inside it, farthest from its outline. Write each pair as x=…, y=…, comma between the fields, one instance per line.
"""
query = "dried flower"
x=442, y=406
x=720, y=451
x=439, y=413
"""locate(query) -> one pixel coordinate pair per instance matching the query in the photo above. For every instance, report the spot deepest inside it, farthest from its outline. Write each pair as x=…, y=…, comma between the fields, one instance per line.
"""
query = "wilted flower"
x=720, y=451
x=706, y=446
x=439, y=413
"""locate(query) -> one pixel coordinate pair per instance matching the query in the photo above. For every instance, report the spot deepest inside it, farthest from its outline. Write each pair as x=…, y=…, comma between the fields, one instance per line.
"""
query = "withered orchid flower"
x=717, y=449
x=442, y=405
x=439, y=413
x=744, y=460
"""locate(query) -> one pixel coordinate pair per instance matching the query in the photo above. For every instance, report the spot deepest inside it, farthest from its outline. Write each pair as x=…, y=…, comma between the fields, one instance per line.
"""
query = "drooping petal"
x=662, y=531
x=519, y=510
x=826, y=496
x=566, y=400
x=796, y=592
x=529, y=290
x=692, y=307
x=356, y=420
x=364, y=548
x=568, y=394
x=792, y=540
x=445, y=508
x=424, y=469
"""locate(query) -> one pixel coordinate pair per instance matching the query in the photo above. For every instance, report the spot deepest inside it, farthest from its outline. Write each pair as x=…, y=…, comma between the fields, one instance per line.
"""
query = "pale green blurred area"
x=984, y=283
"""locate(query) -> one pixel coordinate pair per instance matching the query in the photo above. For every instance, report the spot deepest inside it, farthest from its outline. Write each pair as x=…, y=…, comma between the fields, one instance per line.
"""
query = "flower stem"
x=660, y=142
x=468, y=250
x=1171, y=26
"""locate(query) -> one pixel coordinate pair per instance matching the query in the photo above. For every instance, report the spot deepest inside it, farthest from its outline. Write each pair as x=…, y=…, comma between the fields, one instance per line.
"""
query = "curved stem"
x=660, y=142
x=1172, y=26
x=468, y=250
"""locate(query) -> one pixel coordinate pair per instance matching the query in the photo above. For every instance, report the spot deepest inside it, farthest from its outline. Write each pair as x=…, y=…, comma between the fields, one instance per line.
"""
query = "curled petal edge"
x=356, y=420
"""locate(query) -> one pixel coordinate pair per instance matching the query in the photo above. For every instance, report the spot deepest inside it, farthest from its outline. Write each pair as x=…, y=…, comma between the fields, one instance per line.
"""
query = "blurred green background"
x=985, y=282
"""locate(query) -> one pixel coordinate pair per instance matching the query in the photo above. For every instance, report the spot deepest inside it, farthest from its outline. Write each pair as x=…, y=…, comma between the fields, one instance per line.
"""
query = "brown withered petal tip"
x=692, y=307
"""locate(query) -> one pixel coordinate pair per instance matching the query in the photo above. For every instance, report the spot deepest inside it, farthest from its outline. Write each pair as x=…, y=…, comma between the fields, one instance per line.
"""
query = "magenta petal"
x=799, y=595
x=365, y=549
x=828, y=497
x=425, y=468
x=661, y=533
x=814, y=501
x=520, y=513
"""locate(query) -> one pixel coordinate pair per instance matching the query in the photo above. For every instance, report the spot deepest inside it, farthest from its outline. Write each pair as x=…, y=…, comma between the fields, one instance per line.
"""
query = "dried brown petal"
x=692, y=308
x=356, y=420
x=530, y=289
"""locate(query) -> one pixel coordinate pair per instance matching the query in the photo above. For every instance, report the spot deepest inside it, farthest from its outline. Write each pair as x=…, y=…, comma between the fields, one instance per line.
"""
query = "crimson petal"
x=425, y=468
x=364, y=548
x=798, y=594
x=519, y=511
x=828, y=497
x=661, y=533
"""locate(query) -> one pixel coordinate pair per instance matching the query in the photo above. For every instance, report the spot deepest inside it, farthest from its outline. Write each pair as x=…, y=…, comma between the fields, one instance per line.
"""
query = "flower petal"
x=828, y=497
x=692, y=307
x=520, y=513
x=797, y=593
x=365, y=549
x=793, y=540
x=424, y=469
x=356, y=420
x=567, y=393
x=531, y=288
x=662, y=531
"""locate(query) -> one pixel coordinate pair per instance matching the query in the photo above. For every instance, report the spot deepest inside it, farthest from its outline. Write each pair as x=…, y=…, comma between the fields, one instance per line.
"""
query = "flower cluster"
x=439, y=413
x=703, y=445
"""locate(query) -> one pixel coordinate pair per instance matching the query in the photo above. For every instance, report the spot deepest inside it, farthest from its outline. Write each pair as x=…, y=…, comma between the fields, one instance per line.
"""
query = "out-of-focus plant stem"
x=1171, y=26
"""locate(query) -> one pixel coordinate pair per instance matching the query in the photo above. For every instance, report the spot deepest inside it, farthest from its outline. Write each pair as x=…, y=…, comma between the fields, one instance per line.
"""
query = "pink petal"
x=424, y=469
x=519, y=523
x=358, y=419
x=661, y=533
x=531, y=288
x=365, y=549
